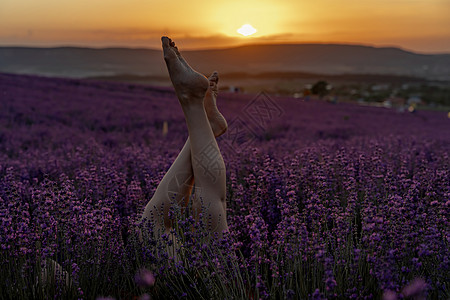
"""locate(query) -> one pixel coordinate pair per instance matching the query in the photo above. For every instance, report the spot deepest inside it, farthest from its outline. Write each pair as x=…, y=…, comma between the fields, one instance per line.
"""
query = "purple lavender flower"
x=144, y=278
x=389, y=295
x=314, y=198
x=145, y=297
x=416, y=289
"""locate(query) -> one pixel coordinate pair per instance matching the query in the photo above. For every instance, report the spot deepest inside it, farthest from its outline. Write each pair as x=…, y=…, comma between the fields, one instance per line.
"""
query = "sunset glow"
x=419, y=25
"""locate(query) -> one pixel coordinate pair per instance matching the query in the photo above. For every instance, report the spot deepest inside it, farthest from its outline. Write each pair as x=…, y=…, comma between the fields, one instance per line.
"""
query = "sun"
x=247, y=30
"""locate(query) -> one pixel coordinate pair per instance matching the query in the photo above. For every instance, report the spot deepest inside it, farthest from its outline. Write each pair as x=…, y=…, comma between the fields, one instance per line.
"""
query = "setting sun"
x=419, y=25
x=247, y=30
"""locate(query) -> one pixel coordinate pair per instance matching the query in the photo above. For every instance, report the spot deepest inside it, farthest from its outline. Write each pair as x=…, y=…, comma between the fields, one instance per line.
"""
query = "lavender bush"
x=327, y=201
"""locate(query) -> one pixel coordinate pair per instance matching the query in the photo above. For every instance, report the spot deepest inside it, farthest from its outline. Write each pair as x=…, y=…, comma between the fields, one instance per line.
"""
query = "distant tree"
x=320, y=88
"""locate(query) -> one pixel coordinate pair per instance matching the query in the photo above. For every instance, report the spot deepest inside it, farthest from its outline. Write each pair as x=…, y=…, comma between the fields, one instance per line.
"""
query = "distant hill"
x=313, y=58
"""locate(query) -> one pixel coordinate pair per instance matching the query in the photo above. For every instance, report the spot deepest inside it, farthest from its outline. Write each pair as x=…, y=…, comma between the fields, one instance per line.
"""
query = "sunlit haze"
x=418, y=25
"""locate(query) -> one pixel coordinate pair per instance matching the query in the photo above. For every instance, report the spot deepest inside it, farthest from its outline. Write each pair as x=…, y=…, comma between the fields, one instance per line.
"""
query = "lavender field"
x=325, y=201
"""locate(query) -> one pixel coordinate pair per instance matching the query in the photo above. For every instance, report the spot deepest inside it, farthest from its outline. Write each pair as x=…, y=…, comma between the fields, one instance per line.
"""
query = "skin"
x=197, y=95
x=200, y=158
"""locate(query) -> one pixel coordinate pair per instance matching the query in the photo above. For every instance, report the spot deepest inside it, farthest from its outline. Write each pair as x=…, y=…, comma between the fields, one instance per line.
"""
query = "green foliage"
x=320, y=88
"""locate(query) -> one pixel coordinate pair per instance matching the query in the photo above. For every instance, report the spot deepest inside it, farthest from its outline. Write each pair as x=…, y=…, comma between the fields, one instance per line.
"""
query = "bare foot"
x=190, y=86
x=218, y=123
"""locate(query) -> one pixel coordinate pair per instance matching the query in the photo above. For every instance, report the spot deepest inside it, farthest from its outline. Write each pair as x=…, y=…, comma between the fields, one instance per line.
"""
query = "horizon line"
x=213, y=48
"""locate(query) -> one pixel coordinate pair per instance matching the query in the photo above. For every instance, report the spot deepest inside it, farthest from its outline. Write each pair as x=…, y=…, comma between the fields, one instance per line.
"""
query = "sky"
x=418, y=25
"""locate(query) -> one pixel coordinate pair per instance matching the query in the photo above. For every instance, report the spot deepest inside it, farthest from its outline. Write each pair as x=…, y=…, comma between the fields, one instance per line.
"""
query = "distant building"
x=380, y=87
x=387, y=103
x=414, y=100
x=235, y=89
x=395, y=102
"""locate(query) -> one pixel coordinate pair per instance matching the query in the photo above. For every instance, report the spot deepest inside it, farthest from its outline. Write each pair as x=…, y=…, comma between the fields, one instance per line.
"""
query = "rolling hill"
x=328, y=59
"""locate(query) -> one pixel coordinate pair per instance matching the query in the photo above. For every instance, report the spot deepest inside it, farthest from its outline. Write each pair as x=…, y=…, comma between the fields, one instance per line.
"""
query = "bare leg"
x=216, y=119
x=175, y=187
x=177, y=184
x=207, y=163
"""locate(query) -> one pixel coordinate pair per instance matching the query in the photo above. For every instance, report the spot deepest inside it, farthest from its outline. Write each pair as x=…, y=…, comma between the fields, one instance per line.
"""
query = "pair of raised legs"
x=200, y=159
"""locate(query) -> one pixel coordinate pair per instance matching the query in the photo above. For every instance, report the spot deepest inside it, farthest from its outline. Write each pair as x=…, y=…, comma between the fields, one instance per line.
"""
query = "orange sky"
x=418, y=25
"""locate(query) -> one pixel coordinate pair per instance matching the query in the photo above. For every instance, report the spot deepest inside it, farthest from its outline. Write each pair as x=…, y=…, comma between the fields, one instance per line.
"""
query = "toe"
x=165, y=41
x=170, y=52
x=214, y=77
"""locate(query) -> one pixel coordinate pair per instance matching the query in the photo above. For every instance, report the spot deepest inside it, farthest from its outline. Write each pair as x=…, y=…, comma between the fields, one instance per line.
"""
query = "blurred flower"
x=144, y=278
x=417, y=289
x=145, y=297
x=389, y=295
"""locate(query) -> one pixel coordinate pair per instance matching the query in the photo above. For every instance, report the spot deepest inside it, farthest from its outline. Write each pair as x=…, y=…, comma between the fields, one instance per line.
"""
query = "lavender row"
x=324, y=201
